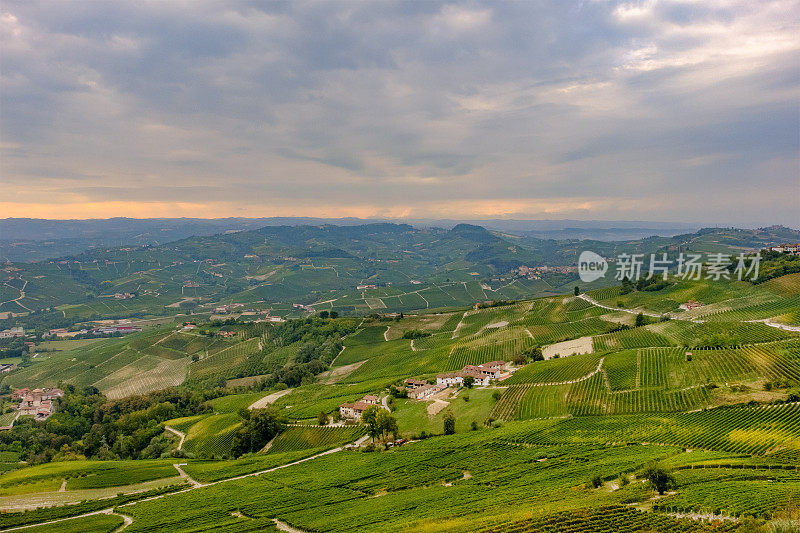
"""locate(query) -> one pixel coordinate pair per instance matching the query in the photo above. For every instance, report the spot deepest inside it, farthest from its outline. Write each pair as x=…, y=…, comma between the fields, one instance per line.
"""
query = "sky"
x=653, y=110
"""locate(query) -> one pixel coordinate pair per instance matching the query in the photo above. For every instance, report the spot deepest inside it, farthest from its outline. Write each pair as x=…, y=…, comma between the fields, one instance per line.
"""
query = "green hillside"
x=597, y=389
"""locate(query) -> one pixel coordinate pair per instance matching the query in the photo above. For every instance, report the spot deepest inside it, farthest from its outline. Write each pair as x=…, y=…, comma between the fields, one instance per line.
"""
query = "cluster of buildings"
x=481, y=374
x=37, y=402
x=533, y=273
x=116, y=329
x=787, y=248
x=269, y=318
x=362, y=287
x=227, y=308
x=353, y=410
x=12, y=332
x=422, y=390
x=691, y=304
x=65, y=333
x=123, y=296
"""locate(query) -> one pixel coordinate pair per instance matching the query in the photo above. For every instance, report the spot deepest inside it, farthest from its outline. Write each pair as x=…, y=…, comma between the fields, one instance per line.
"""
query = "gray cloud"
x=527, y=108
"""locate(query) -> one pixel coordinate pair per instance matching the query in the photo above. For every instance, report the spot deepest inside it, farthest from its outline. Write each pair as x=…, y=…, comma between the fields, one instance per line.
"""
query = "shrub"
x=449, y=421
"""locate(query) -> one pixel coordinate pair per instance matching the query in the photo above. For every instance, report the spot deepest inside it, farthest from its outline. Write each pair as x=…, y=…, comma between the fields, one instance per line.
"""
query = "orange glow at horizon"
x=438, y=209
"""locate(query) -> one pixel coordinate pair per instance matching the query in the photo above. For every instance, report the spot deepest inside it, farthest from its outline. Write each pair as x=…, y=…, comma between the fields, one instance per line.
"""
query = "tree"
x=324, y=314
x=469, y=381
x=660, y=478
x=387, y=424
x=369, y=417
x=627, y=286
x=334, y=314
x=534, y=354
x=577, y=291
x=379, y=422
x=449, y=420
x=640, y=320
x=322, y=418
x=496, y=395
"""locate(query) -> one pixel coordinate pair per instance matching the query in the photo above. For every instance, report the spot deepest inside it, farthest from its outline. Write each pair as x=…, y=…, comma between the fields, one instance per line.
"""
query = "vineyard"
x=713, y=400
x=212, y=436
x=427, y=477
x=612, y=519
x=733, y=492
x=556, y=370
x=300, y=438
x=747, y=430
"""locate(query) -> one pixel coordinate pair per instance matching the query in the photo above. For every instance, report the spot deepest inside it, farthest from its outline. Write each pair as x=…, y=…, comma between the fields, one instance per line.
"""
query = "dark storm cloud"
x=406, y=107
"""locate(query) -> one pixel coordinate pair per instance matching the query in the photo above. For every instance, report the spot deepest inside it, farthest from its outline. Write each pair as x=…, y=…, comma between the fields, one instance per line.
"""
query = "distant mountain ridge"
x=25, y=239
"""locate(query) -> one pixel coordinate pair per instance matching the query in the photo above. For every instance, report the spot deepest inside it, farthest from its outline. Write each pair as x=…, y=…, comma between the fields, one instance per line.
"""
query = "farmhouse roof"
x=361, y=405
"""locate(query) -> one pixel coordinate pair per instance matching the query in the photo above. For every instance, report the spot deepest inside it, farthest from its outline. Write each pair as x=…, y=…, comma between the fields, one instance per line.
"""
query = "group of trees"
x=258, y=428
x=380, y=423
x=776, y=264
x=319, y=340
x=87, y=424
x=415, y=334
x=533, y=353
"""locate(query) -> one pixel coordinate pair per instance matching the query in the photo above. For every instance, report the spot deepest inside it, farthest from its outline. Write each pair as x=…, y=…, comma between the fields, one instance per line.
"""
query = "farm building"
x=425, y=392
x=116, y=329
x=481, y=373
x=37, y=402
x=457, y=378
x=354, y=410
x=12, y=332
x=412, y=383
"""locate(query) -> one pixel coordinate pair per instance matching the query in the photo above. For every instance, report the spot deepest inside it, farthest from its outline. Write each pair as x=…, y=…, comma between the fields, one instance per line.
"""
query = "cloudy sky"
x=674, y=111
